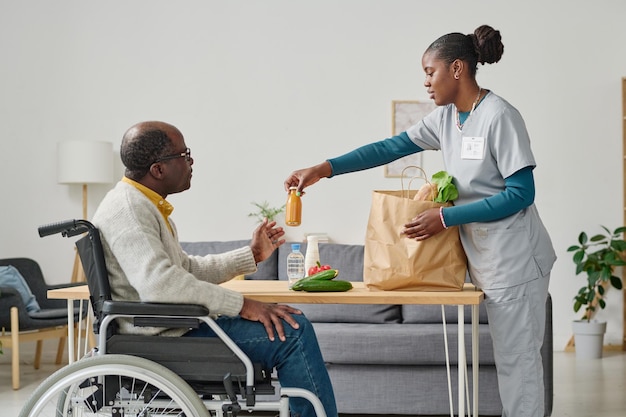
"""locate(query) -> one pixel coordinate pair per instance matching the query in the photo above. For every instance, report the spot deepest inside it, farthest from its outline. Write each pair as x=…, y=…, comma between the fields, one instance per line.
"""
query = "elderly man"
x=146, y=263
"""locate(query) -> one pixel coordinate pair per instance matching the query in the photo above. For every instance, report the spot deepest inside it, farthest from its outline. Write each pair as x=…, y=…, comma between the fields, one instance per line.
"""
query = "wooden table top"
x=278, y=292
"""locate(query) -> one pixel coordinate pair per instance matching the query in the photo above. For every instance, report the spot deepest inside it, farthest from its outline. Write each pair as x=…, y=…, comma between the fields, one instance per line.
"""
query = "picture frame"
x=404, y=114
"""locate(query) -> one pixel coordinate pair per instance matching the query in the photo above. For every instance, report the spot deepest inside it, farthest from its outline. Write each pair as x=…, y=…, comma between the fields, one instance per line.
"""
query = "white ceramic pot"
x=589, y=338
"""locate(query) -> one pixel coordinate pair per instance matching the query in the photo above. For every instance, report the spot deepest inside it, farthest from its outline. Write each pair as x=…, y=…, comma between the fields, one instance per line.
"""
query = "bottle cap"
x=295, y=246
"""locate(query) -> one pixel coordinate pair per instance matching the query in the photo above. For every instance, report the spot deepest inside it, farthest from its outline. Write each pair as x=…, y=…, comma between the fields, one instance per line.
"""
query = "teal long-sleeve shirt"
x=518, y=193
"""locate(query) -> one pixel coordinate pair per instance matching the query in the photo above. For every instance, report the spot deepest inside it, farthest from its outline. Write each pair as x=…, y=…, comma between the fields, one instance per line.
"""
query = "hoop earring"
x=456, y=76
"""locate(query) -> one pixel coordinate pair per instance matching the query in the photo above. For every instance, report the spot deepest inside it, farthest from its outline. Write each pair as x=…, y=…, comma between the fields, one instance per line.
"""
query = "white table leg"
x=70, y=330
x=445, y=342
x=475, y=358
x=87, y=329
x=461, y=359
x=79, y=335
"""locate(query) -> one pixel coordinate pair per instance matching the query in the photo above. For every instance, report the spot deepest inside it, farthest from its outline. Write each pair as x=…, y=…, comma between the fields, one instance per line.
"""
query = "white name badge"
x=472, y=147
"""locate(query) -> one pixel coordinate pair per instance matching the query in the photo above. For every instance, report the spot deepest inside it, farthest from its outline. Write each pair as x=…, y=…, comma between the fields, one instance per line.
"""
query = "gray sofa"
x=389, y=359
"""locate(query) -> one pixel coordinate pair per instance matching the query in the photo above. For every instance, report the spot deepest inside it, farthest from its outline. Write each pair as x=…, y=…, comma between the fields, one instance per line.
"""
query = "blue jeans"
x=298, y=360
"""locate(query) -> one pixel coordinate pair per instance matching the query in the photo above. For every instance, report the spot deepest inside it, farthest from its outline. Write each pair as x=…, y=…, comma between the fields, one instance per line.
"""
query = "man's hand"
x=270, y=315
x=265, y=239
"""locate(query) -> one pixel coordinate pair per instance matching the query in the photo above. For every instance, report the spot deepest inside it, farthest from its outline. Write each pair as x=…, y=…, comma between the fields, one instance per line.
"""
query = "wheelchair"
x=150, y=376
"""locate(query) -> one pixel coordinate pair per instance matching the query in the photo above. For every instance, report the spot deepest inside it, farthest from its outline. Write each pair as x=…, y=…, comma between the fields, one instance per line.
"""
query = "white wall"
x=260, y=88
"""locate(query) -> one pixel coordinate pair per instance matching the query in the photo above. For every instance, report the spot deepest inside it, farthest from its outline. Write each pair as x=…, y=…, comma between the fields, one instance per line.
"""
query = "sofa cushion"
x=265, y=270
x=424, y=314
x=399, y=390
x=397, y=344
x=348, y=259
x=350, y=313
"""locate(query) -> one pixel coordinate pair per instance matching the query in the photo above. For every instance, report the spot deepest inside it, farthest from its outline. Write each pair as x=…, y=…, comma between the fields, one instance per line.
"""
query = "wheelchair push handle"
x=67, y=228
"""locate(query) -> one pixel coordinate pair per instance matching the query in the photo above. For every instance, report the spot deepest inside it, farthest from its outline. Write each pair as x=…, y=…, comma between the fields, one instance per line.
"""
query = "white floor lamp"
x=84, y=162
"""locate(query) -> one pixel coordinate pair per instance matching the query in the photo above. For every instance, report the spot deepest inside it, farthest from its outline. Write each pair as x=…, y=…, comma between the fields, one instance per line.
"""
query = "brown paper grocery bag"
x=394, y=262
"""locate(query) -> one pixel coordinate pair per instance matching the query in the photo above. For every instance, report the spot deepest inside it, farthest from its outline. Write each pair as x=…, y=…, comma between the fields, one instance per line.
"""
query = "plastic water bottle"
x=295, y=264
x=312, y=253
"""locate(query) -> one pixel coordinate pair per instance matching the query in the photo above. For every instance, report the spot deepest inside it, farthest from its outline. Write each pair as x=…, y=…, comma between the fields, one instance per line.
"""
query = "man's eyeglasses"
x=186, y=155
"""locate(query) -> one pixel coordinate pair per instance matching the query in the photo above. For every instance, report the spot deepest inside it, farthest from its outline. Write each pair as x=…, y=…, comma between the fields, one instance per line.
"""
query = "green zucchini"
x=316, y=285
x=326, y=275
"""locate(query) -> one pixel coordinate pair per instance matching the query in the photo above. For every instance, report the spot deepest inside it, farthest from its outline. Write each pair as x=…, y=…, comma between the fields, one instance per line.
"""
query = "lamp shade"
x=84, y=162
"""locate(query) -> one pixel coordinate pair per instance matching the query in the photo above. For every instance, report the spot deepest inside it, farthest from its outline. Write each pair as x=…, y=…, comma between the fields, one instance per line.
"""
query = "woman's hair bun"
x=487, y=44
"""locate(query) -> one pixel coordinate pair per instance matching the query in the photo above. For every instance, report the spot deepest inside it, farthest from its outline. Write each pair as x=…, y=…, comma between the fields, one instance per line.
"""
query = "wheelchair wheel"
x=114, y=385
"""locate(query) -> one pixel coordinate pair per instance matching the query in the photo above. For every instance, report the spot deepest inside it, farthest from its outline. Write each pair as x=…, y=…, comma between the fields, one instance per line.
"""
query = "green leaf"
x=616, y=282
x=620, y=230
x=618, y=245
x=447, y=191
x=605, y=274
x=598, y=238
x=578, y=256
x=577, y=306
x=579, y=268
x=442, y=178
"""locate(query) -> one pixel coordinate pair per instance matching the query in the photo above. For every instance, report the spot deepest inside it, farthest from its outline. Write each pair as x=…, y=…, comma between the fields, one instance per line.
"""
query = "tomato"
x=318, y=268
x=313, y=270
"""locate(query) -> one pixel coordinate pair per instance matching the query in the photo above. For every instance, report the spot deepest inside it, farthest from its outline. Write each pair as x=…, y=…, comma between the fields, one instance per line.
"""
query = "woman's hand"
x=302, y=178
x=424, y=225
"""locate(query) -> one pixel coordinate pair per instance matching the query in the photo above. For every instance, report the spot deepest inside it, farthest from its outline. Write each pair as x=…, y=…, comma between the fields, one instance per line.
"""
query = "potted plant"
x=596, y=257
x=265, y=211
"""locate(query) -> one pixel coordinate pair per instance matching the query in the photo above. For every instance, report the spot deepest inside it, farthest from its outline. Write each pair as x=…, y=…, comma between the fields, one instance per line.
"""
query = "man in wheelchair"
x=146, y=263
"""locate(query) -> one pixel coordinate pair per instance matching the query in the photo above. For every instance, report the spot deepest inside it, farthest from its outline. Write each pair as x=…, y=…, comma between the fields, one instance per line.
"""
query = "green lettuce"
x=447, y=190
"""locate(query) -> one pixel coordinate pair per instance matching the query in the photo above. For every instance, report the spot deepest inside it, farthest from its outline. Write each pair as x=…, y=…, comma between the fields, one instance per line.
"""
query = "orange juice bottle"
x=293, y=209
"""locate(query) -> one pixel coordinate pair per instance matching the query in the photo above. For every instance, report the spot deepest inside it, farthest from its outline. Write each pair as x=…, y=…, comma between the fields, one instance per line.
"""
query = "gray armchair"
x=18, y=325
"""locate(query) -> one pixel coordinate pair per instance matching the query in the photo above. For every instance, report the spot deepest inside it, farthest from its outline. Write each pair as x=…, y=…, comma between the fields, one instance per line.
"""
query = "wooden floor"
x=589, y=388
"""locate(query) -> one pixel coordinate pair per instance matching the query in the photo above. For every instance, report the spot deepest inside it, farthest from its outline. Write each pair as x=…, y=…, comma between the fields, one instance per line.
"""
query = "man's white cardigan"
x=146, y=262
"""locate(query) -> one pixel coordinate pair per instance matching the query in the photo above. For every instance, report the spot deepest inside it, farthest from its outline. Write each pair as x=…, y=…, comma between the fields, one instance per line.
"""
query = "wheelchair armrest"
x=157, y=314
x=153, y=309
